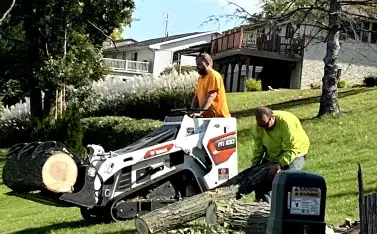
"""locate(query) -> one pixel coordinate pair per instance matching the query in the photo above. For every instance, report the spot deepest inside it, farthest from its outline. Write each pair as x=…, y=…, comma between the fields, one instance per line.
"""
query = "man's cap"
x=206, y=57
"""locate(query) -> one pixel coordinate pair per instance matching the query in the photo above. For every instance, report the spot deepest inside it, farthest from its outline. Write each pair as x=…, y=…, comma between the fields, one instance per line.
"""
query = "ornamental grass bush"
x=101, y=105
x=140, y=97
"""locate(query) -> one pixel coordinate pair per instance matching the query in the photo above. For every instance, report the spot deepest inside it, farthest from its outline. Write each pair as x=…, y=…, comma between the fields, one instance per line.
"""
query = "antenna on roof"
x=167, y=19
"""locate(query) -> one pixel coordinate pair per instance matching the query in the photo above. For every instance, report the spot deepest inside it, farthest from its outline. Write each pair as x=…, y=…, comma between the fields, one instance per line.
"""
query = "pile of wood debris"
x=348, y=227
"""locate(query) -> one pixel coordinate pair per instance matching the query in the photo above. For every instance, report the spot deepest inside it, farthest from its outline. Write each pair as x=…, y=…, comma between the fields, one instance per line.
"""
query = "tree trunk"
x=194, y=207
x=32, y=36
x=49, y=103
x=329, y=99
x=246, y=216
x=39, y=166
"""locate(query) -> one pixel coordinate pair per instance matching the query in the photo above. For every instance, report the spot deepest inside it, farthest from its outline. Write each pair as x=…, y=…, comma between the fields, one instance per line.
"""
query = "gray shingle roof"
x=124, y=43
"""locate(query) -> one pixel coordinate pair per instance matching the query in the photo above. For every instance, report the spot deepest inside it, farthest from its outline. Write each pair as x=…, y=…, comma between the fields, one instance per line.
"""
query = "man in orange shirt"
x=210, y=91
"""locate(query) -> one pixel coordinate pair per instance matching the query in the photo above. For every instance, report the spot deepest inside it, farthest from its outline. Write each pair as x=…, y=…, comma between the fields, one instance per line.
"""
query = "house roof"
x=195, y=50
x=154, y=41
x=109, y=44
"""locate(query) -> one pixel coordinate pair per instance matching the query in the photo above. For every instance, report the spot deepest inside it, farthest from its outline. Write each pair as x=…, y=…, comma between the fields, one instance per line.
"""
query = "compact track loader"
x=184, y=157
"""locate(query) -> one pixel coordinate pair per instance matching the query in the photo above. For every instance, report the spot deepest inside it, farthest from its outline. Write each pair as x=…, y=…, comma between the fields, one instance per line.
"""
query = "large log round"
x=40, y=166
x=194, y=207
x=247, y=216
x=191, y=208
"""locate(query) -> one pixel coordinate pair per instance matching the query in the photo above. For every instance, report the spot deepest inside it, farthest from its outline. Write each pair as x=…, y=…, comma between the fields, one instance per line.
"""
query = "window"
x=175, y=57
x=134, y=56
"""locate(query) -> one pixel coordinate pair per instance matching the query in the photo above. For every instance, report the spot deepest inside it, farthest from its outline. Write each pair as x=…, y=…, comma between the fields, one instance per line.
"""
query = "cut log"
x=249, y=217
x=40, y=166
x=194, y=207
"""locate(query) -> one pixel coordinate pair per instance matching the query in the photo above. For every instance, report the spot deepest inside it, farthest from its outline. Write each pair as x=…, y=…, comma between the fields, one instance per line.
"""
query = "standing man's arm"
x=195, y=102
x=211, y=96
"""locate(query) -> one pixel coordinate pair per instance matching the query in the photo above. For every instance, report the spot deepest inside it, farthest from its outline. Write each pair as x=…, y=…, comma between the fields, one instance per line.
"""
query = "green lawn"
x=337, y=145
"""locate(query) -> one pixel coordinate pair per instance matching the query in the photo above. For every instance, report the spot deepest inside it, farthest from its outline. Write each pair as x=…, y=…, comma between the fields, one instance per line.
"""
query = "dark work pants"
x=263, y=191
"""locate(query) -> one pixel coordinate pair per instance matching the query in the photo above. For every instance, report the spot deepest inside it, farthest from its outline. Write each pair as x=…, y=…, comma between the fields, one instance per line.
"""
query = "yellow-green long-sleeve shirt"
x=286, y=141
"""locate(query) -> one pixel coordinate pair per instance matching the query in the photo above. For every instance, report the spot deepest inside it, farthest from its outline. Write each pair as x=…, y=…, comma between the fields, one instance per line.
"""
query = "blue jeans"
x=263, y=191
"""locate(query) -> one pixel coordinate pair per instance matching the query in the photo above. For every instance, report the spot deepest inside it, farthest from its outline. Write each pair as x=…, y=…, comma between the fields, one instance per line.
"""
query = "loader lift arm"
x=189, y=111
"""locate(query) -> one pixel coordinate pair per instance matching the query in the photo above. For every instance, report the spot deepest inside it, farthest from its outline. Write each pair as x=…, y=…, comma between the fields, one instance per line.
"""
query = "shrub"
x=66, y=129
x=111, y=132
x=184, y=69
x=116, y=132
x=343, y=84
x=370, y=81
x=14, y=131
x=317, y=85
x=253, y=85
x=357, y=85
x=142, y=97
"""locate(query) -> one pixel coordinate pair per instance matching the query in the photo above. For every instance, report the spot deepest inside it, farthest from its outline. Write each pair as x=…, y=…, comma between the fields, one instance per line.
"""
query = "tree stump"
x=40, y=166
x=194, y=207
x=247, y=216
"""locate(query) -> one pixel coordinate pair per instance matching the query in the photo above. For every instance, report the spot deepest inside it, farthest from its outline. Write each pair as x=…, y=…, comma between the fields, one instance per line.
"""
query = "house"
x=283, y=57
x=152, y=56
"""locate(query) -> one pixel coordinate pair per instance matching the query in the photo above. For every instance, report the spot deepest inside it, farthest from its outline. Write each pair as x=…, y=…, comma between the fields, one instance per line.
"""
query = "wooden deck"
x=249, y=43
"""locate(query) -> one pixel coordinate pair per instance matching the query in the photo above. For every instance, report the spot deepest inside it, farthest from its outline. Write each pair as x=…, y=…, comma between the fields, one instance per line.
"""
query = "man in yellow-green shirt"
x=278, y=137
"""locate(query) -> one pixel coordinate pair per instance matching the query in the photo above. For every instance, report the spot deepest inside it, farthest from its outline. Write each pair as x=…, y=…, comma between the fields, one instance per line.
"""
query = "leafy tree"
x=52, y=43
x=329, y=18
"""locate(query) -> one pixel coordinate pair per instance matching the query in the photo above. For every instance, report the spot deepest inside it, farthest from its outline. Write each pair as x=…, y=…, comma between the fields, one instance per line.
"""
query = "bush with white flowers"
x=114, y=96
x=142, y=97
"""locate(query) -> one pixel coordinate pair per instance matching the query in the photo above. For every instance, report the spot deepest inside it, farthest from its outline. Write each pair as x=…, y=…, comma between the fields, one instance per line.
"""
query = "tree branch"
x=8, y=11
x=277, y=17
x=108, y=37
x=358, y=15
x=358, y=51
x=358, y=3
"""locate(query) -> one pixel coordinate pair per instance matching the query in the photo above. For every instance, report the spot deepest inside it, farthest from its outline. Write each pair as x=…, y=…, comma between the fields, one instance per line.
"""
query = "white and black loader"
x=184, y=157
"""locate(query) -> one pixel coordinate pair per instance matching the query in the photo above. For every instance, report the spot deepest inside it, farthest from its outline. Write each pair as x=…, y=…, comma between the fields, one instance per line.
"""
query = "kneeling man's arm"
x=258, y=148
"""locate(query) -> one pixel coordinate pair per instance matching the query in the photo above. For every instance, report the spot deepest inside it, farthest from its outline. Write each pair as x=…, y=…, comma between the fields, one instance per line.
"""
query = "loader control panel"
x=298, y=203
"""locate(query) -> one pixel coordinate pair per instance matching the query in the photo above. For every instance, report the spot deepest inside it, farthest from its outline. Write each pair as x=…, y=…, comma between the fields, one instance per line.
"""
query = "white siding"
x=356, y=59
x=142, y=55
x=188, y=60
x=162, y=60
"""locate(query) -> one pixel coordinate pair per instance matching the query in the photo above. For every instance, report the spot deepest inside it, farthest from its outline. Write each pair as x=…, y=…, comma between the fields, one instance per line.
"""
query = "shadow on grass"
x=296, y=102
x=122, y=232
x=64, y=225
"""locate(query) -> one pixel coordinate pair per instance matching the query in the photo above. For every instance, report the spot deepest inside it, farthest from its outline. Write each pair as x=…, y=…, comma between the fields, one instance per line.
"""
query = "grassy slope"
x=337, y=145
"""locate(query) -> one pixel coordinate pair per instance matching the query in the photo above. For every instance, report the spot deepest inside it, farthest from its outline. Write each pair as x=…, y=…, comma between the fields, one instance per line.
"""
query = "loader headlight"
x=92, y=171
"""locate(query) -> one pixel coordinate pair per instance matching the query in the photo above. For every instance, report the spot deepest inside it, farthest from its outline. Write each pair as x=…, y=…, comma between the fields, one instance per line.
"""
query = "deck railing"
x=127, y=65
x=248, y=39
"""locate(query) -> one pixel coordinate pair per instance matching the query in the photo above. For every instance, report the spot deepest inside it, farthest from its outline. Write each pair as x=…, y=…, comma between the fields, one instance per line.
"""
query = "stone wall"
x=357, y=60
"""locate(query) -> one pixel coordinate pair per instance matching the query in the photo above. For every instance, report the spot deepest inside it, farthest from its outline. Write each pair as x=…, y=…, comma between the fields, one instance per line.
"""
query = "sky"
x=185, y=16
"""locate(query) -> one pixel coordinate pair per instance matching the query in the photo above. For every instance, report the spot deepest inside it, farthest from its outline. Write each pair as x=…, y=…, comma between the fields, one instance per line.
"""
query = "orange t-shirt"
x=210, y=82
